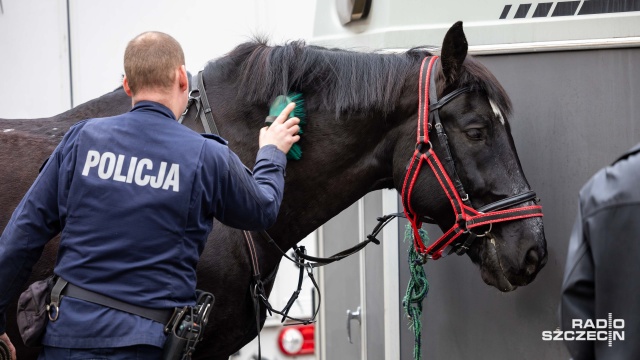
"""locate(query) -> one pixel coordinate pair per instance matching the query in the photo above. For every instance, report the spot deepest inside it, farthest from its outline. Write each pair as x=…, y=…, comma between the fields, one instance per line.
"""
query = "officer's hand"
x=5, y=338
x=283, y=132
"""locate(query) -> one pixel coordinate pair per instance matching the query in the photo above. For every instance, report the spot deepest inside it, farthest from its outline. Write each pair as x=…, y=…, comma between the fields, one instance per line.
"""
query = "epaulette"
x=216, y=138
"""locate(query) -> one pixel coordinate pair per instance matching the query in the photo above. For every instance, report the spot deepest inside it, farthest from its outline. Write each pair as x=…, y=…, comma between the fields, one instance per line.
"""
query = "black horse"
x=361, y=111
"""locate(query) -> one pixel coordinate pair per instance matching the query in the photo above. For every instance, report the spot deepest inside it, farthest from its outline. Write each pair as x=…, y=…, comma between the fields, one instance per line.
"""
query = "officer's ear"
x=125, y=85
x=183, y=80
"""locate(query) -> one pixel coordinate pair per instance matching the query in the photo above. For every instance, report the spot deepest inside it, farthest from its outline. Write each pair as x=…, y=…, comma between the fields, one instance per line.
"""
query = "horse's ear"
x=454, y=50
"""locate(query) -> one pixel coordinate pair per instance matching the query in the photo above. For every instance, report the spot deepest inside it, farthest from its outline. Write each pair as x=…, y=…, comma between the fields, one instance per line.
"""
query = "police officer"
x=601, y=274
x=133, y=197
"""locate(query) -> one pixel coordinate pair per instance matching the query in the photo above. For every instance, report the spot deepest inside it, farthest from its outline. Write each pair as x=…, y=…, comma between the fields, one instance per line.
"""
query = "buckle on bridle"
x=420, y=145
x=486, y=233
x=258, y=290
x=462, y=247
x=194, y=95
x=461, y=250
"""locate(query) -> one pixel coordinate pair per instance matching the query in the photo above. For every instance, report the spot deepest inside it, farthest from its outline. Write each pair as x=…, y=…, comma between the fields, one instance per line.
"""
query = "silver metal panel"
x=390, y=257
x=341, y=281
x=575, y=112
x=374, y=281
x=352, y=282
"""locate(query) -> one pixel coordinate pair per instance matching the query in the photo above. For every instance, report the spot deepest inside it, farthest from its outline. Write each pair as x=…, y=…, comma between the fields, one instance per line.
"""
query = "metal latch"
x=350, y=316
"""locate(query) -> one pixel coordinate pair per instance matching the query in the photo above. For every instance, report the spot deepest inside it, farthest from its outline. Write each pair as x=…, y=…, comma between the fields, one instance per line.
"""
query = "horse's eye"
x=474, y=134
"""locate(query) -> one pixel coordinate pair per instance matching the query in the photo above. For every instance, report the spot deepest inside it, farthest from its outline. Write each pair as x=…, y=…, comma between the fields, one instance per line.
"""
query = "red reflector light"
x=297, y=340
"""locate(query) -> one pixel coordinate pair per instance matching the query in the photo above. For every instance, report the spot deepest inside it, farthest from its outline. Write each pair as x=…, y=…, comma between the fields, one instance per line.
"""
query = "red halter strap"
x=467, y=218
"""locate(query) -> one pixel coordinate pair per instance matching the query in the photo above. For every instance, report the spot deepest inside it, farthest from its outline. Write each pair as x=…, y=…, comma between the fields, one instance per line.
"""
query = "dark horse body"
x=361, y=111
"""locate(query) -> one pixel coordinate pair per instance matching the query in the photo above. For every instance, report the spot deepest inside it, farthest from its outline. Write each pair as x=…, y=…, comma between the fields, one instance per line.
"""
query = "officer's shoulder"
x=79, y=125
x=91, y=121
x=215, y=138
x=76, y=128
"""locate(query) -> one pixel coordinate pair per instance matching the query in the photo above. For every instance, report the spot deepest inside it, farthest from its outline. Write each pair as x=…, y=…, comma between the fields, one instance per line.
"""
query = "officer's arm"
x=578, y=291
x=34, y=222
x=252, y=201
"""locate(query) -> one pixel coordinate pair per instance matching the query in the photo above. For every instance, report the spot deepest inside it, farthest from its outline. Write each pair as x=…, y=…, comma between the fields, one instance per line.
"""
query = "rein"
x=467, y=218
x=257, y=290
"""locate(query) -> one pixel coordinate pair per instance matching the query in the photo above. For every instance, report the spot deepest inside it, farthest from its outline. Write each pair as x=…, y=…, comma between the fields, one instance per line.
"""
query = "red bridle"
x=467, y=218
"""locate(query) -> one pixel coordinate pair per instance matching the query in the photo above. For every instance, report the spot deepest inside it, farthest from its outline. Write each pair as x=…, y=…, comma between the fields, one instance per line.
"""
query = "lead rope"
x=417, y=289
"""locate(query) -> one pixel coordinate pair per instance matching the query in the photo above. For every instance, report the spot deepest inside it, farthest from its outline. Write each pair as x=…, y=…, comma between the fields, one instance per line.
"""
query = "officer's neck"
x=165, y=99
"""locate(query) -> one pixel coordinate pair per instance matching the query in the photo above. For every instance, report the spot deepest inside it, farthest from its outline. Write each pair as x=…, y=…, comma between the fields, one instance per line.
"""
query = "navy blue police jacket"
x=133, y=197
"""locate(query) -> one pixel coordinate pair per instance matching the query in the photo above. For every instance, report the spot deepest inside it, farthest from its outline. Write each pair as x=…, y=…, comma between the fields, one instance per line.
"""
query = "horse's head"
x=485, y=161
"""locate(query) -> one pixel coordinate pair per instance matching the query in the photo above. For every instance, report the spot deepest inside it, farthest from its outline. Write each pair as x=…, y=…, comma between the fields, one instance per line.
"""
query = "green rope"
x=417, y=289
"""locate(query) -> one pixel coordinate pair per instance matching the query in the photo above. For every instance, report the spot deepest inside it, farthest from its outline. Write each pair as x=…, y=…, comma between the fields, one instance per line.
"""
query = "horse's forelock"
x=478, y=77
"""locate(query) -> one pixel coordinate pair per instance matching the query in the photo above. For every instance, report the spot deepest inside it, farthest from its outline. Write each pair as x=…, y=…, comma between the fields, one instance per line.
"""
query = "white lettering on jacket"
x=139, y=171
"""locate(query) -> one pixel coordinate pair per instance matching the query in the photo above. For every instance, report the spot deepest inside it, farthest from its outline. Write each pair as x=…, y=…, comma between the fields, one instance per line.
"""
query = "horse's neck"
x=342, y=160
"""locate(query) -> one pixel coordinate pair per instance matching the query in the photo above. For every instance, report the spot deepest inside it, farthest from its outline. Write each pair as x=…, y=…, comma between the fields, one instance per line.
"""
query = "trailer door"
x=353, y=289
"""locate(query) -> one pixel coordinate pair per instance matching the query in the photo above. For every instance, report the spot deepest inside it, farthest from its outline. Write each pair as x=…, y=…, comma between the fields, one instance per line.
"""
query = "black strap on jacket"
x=64, y=288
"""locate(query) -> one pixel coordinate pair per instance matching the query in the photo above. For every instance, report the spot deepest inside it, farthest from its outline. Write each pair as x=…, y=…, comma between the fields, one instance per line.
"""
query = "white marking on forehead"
x=7, y=130
x=496, y=111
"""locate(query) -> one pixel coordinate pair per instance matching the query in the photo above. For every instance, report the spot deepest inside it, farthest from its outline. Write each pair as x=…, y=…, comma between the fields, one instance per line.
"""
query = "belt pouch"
x=33, y=315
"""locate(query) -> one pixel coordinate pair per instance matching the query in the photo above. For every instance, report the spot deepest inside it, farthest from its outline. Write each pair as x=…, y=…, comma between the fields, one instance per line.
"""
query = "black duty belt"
x=64, y=288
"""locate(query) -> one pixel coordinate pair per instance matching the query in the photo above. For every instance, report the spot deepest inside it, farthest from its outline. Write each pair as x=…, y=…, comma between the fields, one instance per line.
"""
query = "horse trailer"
x=571, y=70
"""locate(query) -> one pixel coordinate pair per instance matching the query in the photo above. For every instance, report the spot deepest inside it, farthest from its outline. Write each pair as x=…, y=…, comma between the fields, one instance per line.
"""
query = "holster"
x=176, y=344
x=186, y=327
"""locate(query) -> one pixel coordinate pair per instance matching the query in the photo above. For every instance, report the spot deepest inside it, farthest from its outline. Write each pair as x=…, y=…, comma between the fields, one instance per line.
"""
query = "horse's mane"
x=347, y=81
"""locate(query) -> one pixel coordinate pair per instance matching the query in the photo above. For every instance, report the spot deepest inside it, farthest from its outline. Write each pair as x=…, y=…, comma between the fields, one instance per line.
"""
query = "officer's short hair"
x=150, y=61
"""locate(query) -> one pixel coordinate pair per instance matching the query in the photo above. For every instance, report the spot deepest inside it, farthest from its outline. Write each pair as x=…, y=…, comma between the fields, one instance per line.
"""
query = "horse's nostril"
x=531, y=262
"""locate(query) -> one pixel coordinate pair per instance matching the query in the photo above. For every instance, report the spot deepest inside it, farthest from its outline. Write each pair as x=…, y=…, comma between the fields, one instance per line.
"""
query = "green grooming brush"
x=295, y=153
